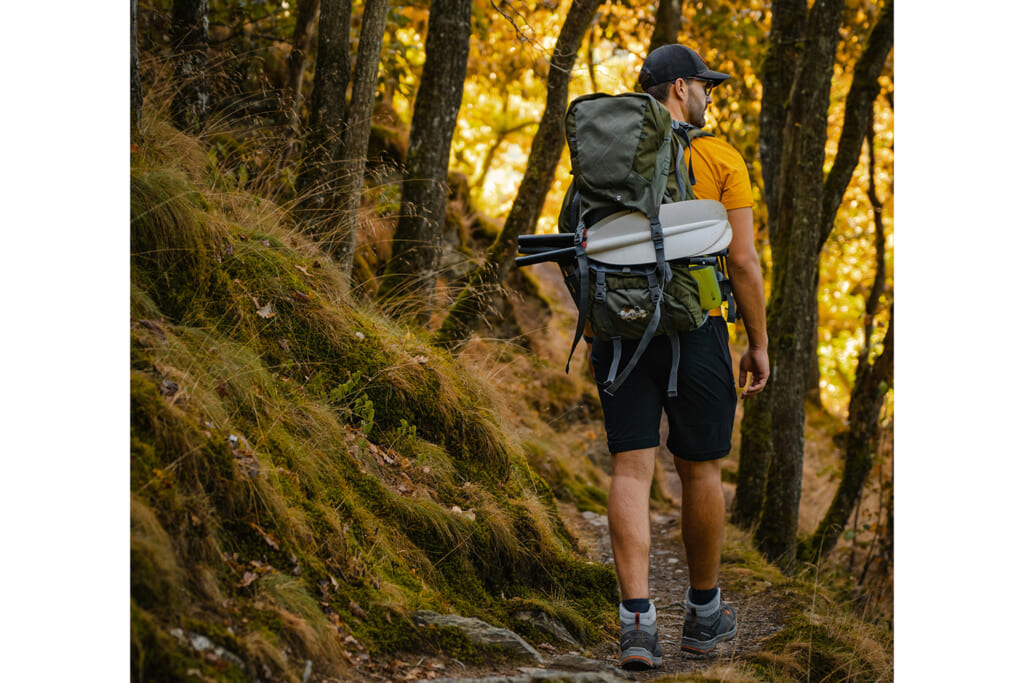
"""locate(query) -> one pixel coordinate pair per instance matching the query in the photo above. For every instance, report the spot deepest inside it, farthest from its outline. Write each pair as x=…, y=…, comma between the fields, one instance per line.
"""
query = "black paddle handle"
x=557, y=241
x=550, y=255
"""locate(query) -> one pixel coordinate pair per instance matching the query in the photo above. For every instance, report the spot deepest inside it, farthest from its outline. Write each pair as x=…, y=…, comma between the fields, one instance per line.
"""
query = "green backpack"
x=626, y=156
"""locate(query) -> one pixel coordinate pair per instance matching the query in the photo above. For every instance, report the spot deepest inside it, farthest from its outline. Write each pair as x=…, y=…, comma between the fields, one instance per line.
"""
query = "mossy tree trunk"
x=873, y=380
x=668, y=19
x=866, y=400
x=545, y=153
x=789, y=21
x=357, y=132
x=321, y=164
x=302, y=39
x=802, y=207
x=409, y=279
x=136, y=86
x=190, y=36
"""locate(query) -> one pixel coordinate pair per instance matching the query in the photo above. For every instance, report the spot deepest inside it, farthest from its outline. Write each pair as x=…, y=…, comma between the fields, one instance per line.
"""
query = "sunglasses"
x=708, y=85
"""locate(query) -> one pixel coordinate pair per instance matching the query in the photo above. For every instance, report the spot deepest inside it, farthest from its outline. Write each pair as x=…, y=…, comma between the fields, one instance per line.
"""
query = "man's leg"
x=629, y=519
x=629, y=524
x=708, y=619
x=703, y=519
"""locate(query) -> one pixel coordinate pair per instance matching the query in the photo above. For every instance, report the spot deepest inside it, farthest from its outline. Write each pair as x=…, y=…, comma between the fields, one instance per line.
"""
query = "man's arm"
x=748, y=287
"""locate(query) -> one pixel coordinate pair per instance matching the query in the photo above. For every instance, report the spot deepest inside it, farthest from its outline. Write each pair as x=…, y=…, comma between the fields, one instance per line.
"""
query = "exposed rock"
x=549, y=624
x=201, y=643
x=480, y=632
x=535, y=675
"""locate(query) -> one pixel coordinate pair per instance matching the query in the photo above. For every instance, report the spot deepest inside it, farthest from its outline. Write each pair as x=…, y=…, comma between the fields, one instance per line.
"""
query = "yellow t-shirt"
x=721, y=175
x=720, y=172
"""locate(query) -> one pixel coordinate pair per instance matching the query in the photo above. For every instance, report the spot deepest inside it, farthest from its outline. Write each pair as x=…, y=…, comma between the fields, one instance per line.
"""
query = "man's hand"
x=755, y=364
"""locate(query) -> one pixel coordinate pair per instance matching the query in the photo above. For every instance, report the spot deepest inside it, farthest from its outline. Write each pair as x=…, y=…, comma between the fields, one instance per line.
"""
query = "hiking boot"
x=705, y=626
x=638, y=645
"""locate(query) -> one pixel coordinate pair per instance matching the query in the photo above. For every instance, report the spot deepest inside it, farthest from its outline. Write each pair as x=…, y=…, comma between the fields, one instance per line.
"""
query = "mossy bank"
x=305, y=473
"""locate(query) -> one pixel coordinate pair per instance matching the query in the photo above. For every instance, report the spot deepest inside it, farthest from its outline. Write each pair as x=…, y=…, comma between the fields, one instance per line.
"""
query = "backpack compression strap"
x=580, y=243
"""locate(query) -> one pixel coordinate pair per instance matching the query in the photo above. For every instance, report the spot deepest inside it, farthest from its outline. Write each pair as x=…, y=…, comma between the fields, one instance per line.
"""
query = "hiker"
x=701, y=417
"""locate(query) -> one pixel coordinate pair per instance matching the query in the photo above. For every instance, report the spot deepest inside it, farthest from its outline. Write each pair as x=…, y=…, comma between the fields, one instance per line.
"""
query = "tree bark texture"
x=302, y=38
x=407, y=286
x=545, y=153
x=786, y=37
x=795, y=259
x=190, y=36
x=870, y=386
x=866, y=400
x=321, y=166
x=357, y=132
x=667, y=21
x=755, y=458
x=136, y=87
x=794, y=127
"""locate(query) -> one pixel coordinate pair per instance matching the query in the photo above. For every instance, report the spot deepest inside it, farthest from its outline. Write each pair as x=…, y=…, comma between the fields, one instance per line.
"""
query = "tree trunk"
x=801, y=209
x=869, y=389
x=812, y=390
x=410, y=277
x=357, y=134
x=789, y=21
x=667, y=22
x=321, y=167
x=795, y=259
x=136, y=91
x=302, y=38
x=866, y=400
x=755, y=458
x=190, y=36
x=545, y=153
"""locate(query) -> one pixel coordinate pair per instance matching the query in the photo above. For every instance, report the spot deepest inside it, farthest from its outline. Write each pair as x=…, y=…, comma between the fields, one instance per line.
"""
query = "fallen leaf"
x=247, y=579
x=266, y=537
x=265, y=311
x=355, y=609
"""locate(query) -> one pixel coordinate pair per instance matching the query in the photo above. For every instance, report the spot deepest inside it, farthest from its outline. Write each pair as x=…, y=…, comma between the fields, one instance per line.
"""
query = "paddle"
x=691, y=228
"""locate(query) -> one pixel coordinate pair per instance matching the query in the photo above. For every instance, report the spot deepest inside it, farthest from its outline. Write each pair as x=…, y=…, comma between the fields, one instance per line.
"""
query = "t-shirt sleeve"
x=734, y=179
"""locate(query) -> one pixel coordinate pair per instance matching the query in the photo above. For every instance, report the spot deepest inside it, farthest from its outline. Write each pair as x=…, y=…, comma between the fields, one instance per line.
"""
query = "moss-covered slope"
x=305, y=473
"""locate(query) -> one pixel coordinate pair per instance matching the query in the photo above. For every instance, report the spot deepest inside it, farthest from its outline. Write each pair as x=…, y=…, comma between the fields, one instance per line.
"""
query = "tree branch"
x=858, y=117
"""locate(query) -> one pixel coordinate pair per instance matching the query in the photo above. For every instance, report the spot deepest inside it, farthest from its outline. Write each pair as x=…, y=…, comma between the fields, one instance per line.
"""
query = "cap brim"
x=715, y=76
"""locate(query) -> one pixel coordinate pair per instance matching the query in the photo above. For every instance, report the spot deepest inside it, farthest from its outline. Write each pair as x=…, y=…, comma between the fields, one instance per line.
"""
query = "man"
x=701, y=417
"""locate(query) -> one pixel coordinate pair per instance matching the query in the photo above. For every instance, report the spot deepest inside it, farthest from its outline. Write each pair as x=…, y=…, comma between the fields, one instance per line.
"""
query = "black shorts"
x=700, y=418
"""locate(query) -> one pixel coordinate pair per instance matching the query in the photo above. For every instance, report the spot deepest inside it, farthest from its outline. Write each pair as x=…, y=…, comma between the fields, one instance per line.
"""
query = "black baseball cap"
x=669, y=62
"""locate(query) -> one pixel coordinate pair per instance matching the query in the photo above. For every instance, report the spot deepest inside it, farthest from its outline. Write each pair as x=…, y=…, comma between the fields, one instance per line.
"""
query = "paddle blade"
x=691, y=228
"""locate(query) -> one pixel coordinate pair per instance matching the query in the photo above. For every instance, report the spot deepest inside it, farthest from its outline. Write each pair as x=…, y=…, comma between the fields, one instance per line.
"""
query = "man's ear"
x=679, y=85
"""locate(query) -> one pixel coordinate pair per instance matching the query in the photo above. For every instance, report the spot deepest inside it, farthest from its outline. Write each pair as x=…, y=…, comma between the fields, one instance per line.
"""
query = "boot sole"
x=703, y=647
x=638, y=659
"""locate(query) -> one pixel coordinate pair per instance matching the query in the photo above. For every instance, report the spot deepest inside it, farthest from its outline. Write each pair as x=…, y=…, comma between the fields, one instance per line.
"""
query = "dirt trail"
x=759, y=616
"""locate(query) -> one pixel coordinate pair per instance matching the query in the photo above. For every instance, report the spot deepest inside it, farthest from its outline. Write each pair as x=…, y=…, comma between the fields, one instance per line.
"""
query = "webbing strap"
x=613, y=369
x=580, y=242
x=679, y=174
x=654, y=287
x=600, y=287
x=658, y=237
x=673, y=375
